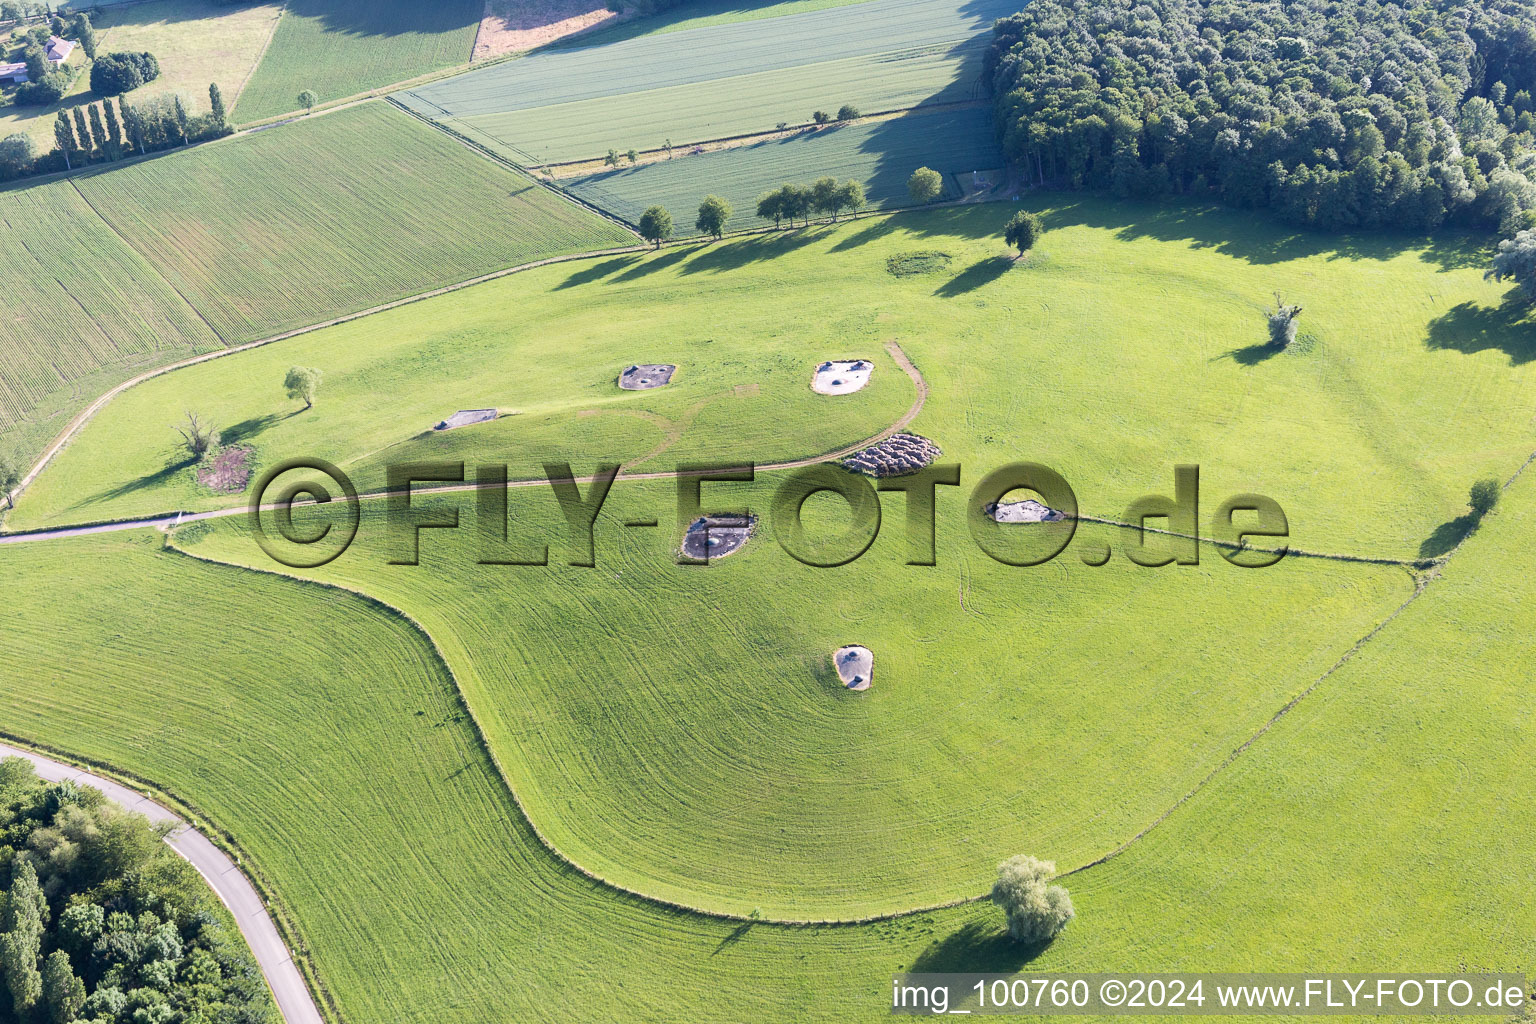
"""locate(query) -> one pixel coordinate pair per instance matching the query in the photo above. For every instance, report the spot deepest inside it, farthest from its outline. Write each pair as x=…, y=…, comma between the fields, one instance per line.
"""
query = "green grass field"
x=83, y=310
x=879, y=154
x=337, y=213
x=339, y=48
x=906, y=796
x=195, y=41
x=721, y=79
x=359, y=791
x=1354, y=436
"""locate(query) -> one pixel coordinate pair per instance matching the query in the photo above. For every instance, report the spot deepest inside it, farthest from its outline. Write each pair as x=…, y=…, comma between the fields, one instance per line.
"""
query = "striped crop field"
x=331, y=215
x=720, y=109
x=880, y=55
x=82, y=311
x=881, y=154
x=340, y=48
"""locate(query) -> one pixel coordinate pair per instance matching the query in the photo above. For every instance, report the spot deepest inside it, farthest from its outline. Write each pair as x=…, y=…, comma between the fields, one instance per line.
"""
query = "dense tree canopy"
x=101, y=923
x=1336, y=113
x=116, y=73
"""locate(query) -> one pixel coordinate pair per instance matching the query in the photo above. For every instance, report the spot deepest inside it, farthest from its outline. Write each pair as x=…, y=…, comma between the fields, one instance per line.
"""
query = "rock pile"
x=1027, y=511
x=897, y=455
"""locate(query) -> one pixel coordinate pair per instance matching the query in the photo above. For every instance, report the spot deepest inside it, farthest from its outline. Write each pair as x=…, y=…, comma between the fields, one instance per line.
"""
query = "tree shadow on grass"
x=144, y=482
x=944, y=220
x=655, y=263
x=1252, y=355
x=1447, y=536
x=595, y=271
x=736, y=935
x=983, y=271
x=735, y=254
x=1256, y=236
x=978, y=948
x=1471, y=328
x=247, y=429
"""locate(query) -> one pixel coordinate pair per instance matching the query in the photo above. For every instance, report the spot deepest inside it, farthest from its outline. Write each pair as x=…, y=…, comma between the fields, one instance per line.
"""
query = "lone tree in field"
x=713, y=213
x=821, y=117
x=1516, y=260
x=656, y=225
x=847, y=112
x=612, y=159
x=10, y=476
x=1036, y=911
x=850, y=196
x=197, y=437
x=308, y=99
x=632, y=155
x=1023, y=231
x=302, y=384
x=1484, y=496
x=925, y=185
x=1282, y=323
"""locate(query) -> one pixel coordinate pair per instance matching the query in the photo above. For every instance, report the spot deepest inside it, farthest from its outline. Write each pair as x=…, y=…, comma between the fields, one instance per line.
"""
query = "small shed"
x=16, y=73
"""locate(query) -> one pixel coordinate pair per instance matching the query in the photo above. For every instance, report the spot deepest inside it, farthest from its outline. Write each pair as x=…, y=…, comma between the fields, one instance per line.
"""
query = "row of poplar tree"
x=109, y=130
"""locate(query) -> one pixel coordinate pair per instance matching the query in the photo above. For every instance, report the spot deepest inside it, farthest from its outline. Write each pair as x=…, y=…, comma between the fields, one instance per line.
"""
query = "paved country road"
x=294, y=1001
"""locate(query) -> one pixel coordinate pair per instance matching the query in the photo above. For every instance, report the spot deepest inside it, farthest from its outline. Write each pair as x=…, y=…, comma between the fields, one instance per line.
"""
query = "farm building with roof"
x=58, y=51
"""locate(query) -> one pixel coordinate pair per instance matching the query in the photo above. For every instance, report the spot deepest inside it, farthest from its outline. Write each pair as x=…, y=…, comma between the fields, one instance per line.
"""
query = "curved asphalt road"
x=294, y=1001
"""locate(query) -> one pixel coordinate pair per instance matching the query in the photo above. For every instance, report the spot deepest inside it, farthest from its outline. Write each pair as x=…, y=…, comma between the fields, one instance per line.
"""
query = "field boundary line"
x=194, y=821
x=511, y=790
x=282, y=11
x=486, y=152
x=135, y=250
x=789, y=131
x=1407, y=563
x=1421, y=585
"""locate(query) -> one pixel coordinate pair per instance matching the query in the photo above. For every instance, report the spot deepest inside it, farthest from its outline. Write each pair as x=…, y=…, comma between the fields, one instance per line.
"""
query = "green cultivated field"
x=338, y=48
x=337, y=213
x=1351, y=435
x=926, y=52
x=880, y=154
x=83, y=310
x=726, y=107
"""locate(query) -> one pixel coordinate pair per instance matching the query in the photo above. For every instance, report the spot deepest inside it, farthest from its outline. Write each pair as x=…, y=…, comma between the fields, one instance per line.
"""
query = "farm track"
x=223, y=875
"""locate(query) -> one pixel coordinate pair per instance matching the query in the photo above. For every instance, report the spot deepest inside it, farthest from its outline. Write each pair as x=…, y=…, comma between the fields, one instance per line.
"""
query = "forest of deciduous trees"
x=1336, y=114
x=101, y=923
